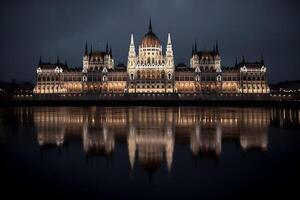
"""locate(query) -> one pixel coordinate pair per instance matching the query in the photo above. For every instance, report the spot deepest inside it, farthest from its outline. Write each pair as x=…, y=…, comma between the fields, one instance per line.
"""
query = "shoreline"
x=151, y=100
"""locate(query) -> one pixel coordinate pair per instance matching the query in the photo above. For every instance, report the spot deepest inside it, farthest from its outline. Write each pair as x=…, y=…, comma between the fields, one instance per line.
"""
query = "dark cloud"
x=59, y=28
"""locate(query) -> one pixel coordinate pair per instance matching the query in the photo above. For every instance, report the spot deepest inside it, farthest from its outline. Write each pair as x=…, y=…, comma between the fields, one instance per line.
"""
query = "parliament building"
x=150, y=70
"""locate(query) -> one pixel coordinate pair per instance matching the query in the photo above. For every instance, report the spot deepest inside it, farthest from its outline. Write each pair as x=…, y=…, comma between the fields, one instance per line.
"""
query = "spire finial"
x=217, y=47
x=196, y=46
x=169, y=39
x=57, y=60
x=131, y=40
x=193, y=50
x=86, y=48
x=110, y=51
x=262, y=60
x=150, y=25
x=40, y=61
x=244, y=60
x=91, y=50
x=107, y=46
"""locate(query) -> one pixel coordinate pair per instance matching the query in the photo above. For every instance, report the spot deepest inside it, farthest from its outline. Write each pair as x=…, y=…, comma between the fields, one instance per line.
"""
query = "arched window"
x=169, y=76
x=148, y=74
x=197, y=78
x=131, y=76
x=138, y=74
x=162, y=74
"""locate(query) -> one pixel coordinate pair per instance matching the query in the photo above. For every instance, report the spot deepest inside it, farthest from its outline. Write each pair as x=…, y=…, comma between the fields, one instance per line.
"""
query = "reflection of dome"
x=150, y=39
x=150, y=166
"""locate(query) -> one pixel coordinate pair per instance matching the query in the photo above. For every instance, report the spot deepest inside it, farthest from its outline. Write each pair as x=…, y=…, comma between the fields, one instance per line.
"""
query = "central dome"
x=150, y=39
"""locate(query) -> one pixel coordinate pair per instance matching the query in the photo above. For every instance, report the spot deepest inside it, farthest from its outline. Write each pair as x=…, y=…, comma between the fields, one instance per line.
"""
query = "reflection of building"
x=97, y=141
x=285, y=117
x=254, y=130
x=212, y=126
x=150, y=132
x=207, y=140
x=50, y=129
x=151, y=136
x=151, y=147
x=150, y=70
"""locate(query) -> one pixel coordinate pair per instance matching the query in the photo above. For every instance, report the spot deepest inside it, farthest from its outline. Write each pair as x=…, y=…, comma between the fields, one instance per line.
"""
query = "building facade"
x=150, y=70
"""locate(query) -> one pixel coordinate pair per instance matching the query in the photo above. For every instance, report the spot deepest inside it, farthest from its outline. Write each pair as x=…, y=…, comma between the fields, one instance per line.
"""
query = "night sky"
x=34, y=28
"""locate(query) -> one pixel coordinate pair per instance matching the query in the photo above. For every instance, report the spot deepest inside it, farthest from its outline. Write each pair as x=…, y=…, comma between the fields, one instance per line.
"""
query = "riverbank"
x=151, y=100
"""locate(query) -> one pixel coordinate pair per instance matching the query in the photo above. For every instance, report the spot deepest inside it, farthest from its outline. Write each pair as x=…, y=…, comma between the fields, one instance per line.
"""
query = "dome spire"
x=150, y=25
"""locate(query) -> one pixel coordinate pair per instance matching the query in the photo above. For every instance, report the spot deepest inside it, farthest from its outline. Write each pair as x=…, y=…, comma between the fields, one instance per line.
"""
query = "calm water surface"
x=149, y=152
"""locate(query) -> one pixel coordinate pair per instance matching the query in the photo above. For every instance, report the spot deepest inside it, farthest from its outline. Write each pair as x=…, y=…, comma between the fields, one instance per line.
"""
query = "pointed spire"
x=244, y=62
x=150, y=25
x=91, y=50
x=40, y=61
x=58, y=61
x=169, y=39
x=110, y=51
x=131, y=40
x=262, y=60
x=169, y=52
x=107, y=46
x=193, y=50
x=236, y=62
x=217, y=47
x=86, y=49
x=196, y=50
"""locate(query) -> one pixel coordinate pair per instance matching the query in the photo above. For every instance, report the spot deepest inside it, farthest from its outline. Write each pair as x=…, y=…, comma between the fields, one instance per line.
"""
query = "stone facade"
x=151, y=71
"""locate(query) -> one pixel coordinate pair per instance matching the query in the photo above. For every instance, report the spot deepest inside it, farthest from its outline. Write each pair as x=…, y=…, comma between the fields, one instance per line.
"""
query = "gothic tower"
x=131, y=59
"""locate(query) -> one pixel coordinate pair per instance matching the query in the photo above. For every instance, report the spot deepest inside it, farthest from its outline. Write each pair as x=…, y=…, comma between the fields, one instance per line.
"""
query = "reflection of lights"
x=158, y=126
